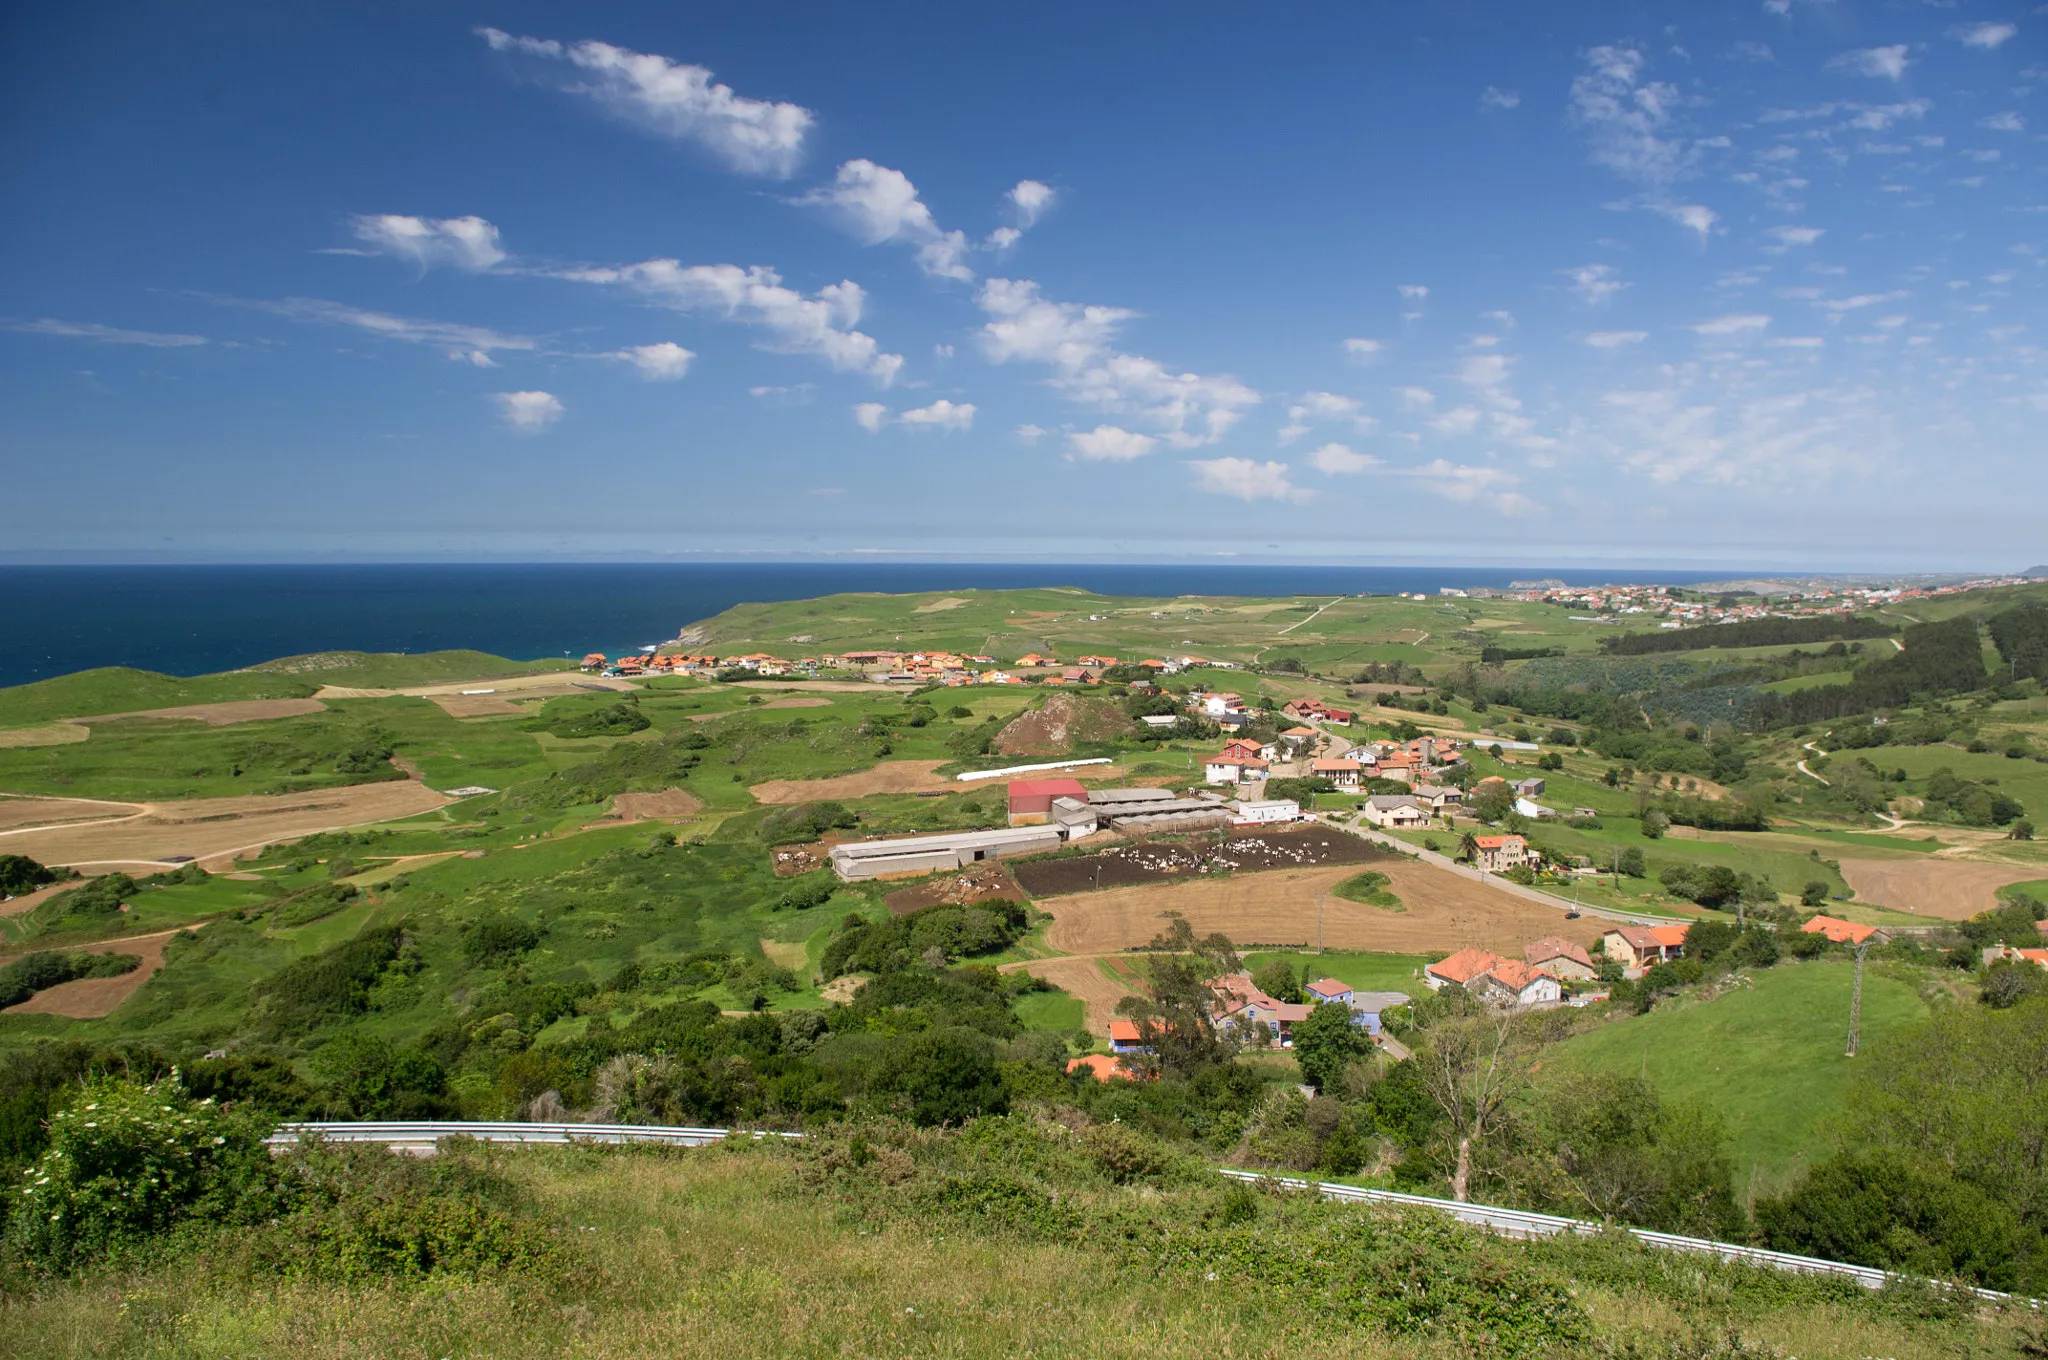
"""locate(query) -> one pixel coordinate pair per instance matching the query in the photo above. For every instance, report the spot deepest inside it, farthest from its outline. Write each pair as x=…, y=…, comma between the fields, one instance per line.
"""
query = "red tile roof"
x=1465, y=965
x=1838, y=931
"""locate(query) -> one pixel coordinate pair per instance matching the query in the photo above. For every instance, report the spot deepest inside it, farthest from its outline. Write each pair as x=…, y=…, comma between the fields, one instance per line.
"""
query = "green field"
x=1768, y=1058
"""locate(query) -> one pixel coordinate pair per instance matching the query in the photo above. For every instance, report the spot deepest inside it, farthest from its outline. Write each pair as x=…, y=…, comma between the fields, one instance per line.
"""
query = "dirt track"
x=1951, y=889
x=48, y=734
x=214, y=829
x=1443, y=913
x=91, y=998
x=217, y=715
x=891, y=776
x=16, y=812
x=825, y=686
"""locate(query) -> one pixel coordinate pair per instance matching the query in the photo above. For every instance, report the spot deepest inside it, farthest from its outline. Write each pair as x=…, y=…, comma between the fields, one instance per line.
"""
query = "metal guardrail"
x=1517, y=1223
x=1523, y=1224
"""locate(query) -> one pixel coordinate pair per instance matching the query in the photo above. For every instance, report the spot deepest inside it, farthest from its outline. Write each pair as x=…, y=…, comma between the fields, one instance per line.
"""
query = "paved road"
x=1495, y=881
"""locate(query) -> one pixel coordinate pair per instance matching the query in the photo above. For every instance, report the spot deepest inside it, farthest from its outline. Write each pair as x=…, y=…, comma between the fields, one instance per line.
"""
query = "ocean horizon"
x=197, y=619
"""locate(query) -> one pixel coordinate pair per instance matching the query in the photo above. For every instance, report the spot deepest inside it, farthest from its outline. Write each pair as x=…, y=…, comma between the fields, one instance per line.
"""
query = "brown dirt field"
x=389, y=868
x=983, y=883
x=49, y=734
x=28, y=902
x=16, y=812
x=824, y=686
x=790, y=954
x=474, y=705
x=215, y=829
x=1444, y=913
x=936, y=606
x=891, y=776
x=218, y=715
x=790, y=860
x=1952, y=889
x=842, y=990
x=525, y=686
x=797, y=701
x=652, y=807
x=1084, y=978
x=92, y=998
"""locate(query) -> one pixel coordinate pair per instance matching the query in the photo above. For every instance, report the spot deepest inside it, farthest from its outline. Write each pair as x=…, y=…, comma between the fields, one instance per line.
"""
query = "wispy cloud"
x=105, y=335
x=1616, y=339
x=1360, y=350
x=470, y=344
x=1986, y=35
x=1882, y=63
x=1595, y=283
x=1786, y=238
x=940, y=415
x=676, y=100
x=1629, y=124
x=819, y=324
x=1340, y=460
x=1189, y=409
x=663, y=362
x=464, y=242
x=1313, y=407
x=2009, y=121
x=1733, y=324
x=1247, y=480
x=1494, y=97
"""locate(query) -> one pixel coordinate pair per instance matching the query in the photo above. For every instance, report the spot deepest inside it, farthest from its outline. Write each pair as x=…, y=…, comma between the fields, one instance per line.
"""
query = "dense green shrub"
x=19, y=874
x=315, y=903
x=1881, y=1210
x=330, y=985
x=497, y=937
x=805, y=822
x=95, y=900
x=127, y=1163
x=954, y=931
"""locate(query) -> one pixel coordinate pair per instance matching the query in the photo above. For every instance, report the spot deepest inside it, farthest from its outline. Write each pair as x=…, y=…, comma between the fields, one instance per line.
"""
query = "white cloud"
x=1692, y=216
x=1031, y=200
x=1751, y=50
x=1493, y=97
x=468, y=344
x=1596, y=283
x=820, y=324
x=1627, y=118
x=1883, y=63
x=1785, y=238
x=1487, y=374
x=1362, y=350
x=753, y=136
x=1458, y=420
x=1857, y=303
x=1616, y=339
x=871, y=416
x=1339, y=460
x=464, y=242
x=529, y=412
x=1031, y=434
x=940, y=415
x=1986, y=36
x=1797, y=342
x=1467, y=484
x=878, y=204
x=663, y=362
x=1413, y=292
x=1247, y=480
x=1733, y=324
x=1190, y=409
x=1321, y=406
x=105, y=335
x=1108, y=443
x=2008, y=121
x=1415, y=398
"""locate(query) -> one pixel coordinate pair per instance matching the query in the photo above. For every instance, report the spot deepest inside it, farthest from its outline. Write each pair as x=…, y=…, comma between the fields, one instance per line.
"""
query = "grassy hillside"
x=121, y=689
x=1002, y=1240
x=1768, y=1057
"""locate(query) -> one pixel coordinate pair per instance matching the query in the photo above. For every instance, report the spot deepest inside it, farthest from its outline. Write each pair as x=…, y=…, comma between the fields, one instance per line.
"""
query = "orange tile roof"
x=1124, y=1031
x=1838, y=931
x=1101, y=1066
x=1516, y=975
x=1553, y=947
x=1465, y=965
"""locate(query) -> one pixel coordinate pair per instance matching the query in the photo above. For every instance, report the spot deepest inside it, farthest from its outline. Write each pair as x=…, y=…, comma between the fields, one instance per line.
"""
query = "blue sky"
x=1754, y=284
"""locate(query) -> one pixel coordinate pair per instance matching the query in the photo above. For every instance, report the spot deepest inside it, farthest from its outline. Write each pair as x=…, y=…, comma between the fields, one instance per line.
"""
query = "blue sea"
x=192, y=620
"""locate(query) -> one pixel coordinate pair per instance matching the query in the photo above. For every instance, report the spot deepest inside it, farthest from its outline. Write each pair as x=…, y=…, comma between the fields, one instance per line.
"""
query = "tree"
x=1174, y=1021
x=1278, y=980
x=1325, y=1043
x=1492, y=802
x=1630, y=862
x=2022, y=830
x=1473, y=1069
x=1882, y=1210
x=1468, y=847
x=1607, y=1145
x=19, y=874
x=945, y=1076
x=1814, y=894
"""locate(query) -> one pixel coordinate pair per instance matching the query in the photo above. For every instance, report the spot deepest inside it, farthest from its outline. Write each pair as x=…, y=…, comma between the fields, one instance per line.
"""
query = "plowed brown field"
x=91, y=998
x=16, y=812
x=215, y=829
x=1444, y=913
x=647, y=807
x=891, y=776
x=1951, y=889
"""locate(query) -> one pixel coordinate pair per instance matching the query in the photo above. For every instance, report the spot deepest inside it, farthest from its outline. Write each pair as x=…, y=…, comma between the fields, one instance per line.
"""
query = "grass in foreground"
x=1007, y=1240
